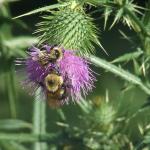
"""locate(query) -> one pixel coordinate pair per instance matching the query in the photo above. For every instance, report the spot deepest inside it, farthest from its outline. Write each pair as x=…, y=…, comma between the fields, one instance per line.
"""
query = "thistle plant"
x=57, y=71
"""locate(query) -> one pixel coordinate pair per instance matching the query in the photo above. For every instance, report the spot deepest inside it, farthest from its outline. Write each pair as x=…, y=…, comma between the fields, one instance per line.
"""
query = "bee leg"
x=41, y=84
x=55, y=69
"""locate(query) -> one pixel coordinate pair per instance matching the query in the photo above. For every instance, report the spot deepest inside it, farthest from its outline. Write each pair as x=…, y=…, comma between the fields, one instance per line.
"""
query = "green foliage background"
x=115, y=116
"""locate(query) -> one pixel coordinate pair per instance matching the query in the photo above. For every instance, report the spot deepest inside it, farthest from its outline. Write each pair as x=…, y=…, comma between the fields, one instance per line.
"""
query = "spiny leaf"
x=15, y=47
x=13, y=124
x=84, y=105
x=27, y=137
x=92, y=2
x=146, y=17
x=43, y=9
x=20, y=42
x=61, y=114
x=127, y=57
x=125, y=11
x=117, y=17
x=9, y=145
x=8, y=20
x=131, y=19
x=7, y=1
x=107, y=13
x=125, y=36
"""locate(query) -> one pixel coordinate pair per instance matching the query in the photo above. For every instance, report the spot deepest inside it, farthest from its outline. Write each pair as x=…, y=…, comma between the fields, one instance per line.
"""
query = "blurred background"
x=112, y=117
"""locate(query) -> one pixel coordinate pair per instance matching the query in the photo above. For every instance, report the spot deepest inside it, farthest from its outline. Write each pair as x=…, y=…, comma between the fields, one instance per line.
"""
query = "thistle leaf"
x=27, y=137
x=117, y=17
x=9, y=21
x=9, y=145
x=126, y=37
x=20, y=42
x=7, y=1
x=15, y=46
x=13, y=124
x=127, y=57
x=92, y=2
x=107, y=13
x=42, y=9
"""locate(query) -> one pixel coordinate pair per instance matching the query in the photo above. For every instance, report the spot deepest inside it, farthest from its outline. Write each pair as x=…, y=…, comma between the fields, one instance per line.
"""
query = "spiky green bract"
x=125, y=10
x=90, y=2
x=70, y=28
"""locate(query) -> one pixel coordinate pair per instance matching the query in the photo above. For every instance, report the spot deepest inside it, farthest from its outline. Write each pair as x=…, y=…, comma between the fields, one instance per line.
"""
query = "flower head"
x=77, y=72
x=61, y=74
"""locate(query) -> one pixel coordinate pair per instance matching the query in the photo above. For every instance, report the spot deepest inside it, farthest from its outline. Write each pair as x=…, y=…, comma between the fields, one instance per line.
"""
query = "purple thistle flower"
x=61, y=74
x=78, y=72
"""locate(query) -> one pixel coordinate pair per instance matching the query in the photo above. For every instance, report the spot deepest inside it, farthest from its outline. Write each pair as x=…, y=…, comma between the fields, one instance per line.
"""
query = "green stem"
x=11, y=91
x=119, y=72
x=5, y=33
x=39, y=120
x=27, y=137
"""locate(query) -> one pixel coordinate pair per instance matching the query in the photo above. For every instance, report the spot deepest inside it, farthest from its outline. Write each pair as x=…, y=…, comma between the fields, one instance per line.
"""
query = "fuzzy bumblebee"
x=61, y=74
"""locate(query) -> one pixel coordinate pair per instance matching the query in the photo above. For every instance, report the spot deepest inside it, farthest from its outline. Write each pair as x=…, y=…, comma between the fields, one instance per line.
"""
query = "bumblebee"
x=43, y=58
x=58, y=95
x=56, y=89
x=55, y=54
x=54, y=98
x=53, y=82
